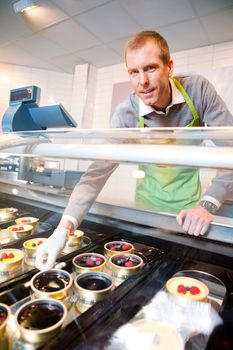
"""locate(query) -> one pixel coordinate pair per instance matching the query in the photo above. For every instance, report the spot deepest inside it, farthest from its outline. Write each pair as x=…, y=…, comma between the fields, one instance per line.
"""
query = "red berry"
x=125, y=247
x=181, y=289
x=21, y=228
x=14, y=229
x=71, y=234
x=11, y=256
x=98, y=258
x=40, y=242
x=129, y=264
x=26, y=220
x=194, y=290
x=4, y=255
x=90, y=263
x=113, y=248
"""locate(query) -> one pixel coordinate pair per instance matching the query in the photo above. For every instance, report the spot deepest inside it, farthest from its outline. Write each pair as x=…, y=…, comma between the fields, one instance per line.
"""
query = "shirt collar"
x=177, y=98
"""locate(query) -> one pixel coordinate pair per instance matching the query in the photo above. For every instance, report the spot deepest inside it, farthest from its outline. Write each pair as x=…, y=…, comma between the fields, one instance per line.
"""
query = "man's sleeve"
x=88, y=188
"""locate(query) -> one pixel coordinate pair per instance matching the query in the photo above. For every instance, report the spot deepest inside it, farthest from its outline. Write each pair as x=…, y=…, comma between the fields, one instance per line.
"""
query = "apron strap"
x=188, y=101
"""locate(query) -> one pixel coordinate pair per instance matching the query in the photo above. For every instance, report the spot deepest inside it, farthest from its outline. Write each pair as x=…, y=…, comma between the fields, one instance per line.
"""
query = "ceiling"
x=59, y=34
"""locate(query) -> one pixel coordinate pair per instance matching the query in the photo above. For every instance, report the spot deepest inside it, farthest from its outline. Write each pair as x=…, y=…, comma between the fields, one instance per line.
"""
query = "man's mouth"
x=147, y=92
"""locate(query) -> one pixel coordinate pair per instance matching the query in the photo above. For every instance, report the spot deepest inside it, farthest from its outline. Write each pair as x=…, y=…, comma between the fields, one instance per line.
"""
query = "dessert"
x=92, y=287
x=27, y=220
x=52, y=283
x=157, y=335
x=33, y=243
x=75, y=238
x=10, y=259
x=7, y=213
x=39, y=320
x=4, y=314
x=124, y=265
x=187, y=287
x=89, y=262
x=117, y=247
x=21, y=230
x=30, y=246
x=126, y=261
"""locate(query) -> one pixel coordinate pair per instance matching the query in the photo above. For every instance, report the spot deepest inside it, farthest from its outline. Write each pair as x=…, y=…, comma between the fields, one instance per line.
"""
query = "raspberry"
x=129, y=264
x=11, y=256
x=40, y=242
x=181, y=289
x=71, y=234
x=98, y=259
x=14, y=229
x=194, y=290
x=125, y=247
x=90, y=263
x=4, y=255
x=26, y=220
x=21, y=228
x=113, y=248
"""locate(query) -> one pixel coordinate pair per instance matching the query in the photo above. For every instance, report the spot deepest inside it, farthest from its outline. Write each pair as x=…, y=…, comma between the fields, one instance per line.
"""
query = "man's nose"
x=143, y=78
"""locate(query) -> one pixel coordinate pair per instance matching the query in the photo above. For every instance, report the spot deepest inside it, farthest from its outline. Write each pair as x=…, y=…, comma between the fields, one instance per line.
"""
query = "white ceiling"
x=60, y=34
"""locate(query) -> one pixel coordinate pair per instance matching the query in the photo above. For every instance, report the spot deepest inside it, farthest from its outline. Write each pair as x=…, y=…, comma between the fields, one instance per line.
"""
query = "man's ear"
x=170, y=67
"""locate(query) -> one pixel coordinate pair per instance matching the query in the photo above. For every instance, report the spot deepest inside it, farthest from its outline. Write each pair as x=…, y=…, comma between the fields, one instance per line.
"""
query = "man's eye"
x=133, y=72
x=151, y=68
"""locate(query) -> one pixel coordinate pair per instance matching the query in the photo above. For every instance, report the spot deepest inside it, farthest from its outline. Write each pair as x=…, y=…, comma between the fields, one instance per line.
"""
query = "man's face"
x=149, y=75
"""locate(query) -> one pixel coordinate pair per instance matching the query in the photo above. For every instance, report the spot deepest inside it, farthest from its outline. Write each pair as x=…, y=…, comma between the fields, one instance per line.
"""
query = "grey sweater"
x=211, y=110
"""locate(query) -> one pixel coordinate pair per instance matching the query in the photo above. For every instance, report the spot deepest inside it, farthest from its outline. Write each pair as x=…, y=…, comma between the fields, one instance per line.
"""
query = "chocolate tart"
x=124, y=265
x=117, y=247
x=53, y=283
x=88, y=262
x=5, y=312
x=92, y=287
x=38, y=320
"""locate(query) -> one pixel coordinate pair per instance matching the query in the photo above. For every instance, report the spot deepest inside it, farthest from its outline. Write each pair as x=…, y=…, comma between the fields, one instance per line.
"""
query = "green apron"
x=170, y=188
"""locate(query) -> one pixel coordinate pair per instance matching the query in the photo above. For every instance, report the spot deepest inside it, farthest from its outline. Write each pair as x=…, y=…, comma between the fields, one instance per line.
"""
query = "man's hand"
x=194, y=221
x=47, y=252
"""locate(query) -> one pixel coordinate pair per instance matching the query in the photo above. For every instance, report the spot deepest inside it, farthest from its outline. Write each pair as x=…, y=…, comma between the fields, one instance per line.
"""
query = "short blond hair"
x=140, y=39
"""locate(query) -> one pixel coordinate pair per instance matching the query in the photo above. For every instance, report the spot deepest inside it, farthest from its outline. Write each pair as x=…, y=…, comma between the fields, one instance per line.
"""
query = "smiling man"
x=158, y=100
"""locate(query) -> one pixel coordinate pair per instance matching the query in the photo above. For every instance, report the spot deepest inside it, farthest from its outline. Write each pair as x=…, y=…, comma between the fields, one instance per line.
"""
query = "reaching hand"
x=48, y=251
x=194, y=221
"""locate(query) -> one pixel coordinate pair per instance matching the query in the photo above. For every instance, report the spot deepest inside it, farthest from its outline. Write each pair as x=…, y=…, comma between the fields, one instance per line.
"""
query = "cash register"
x=24, y=112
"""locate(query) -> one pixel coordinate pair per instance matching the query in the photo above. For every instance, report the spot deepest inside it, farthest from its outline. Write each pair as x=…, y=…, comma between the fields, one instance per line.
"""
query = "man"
x=158, y=101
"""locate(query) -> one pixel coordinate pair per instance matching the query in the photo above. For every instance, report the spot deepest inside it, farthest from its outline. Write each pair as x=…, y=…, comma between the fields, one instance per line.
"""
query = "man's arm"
x=82, y=197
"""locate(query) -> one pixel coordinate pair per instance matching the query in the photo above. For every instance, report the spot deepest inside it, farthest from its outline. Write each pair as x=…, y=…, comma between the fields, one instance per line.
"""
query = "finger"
x=204, y=229
x=196, y=227
x=41, y=256
x=181, y=216
x=186, y=224
x=51, y=260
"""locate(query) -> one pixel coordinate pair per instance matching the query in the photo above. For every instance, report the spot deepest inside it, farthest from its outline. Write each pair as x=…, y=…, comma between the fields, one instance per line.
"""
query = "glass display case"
x=38, y=171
